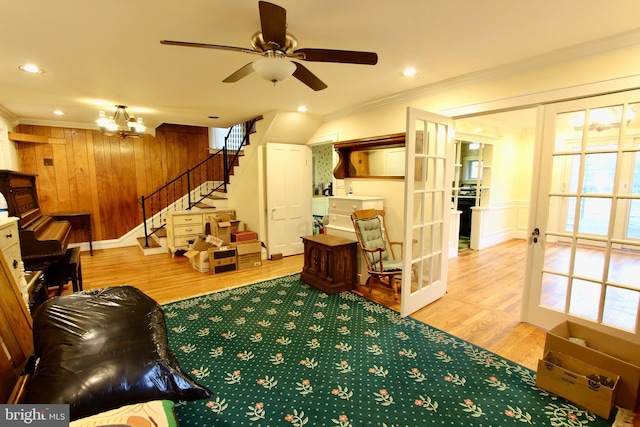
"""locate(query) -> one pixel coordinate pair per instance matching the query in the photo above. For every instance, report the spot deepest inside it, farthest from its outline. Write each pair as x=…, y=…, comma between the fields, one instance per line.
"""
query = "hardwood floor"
x=482, y=305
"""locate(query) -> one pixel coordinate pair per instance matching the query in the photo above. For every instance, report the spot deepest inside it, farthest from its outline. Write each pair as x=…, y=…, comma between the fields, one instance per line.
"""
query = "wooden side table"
x=79, y=221
x=329, y=263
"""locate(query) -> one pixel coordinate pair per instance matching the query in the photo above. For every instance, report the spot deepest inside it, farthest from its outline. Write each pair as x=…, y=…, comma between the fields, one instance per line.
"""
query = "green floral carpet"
x=283, y=353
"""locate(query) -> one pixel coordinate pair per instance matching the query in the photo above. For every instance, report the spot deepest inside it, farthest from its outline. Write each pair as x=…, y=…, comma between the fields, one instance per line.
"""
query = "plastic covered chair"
x=377, y=249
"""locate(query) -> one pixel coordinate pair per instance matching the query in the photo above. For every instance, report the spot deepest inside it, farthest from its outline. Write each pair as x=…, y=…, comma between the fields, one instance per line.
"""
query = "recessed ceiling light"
x=409, y=72
x=59, y=112
x=30, y=68
x=302, y=109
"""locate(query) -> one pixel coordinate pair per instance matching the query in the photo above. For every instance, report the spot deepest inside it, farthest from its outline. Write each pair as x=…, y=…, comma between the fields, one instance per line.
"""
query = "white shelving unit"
x=472, y=180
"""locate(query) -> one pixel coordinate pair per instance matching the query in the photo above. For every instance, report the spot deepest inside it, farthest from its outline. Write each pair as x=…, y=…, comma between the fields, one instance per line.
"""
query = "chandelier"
x=121, y=124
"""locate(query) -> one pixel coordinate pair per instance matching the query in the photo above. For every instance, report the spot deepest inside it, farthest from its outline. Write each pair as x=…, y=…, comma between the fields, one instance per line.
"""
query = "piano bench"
x=65, y=270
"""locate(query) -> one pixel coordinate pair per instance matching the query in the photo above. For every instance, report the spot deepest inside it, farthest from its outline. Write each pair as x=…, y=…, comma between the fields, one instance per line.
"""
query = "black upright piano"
x=43, y=240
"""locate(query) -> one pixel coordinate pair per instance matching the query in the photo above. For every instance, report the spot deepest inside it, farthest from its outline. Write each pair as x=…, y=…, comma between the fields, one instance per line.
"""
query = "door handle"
x=534, y=234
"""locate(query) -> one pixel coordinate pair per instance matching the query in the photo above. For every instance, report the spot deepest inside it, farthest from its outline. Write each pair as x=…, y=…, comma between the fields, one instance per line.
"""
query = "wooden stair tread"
x=152, y=243
x=218, y=195
x=204, y=206
x=160, y=232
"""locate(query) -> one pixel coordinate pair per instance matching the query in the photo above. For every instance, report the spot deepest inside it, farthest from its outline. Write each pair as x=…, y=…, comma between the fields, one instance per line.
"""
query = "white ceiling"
x=97, y=54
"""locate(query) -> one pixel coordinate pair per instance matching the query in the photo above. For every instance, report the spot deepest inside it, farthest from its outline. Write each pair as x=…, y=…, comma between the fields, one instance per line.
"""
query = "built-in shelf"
x=35, y=139
x=371, y=157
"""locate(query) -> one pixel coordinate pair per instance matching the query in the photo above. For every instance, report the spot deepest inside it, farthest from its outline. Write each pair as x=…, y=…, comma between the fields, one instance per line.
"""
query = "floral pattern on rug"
x=283, y=353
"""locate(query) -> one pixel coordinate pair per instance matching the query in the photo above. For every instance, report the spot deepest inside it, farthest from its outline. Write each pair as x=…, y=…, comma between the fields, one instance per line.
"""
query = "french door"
x=428, y=177
x=584, y=249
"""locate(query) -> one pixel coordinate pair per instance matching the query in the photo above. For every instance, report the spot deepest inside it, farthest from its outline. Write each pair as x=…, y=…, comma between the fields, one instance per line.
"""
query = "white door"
x=289, y=195
x=428, y=175
x=584, y=250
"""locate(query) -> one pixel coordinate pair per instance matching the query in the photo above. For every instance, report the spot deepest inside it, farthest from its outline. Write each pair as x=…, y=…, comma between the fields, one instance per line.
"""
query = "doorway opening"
x=322, y=158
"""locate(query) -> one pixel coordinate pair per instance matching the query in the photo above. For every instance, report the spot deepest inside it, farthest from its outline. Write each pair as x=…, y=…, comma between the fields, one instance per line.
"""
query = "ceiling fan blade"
x=308, y=78
x=242, y=72
x=273, y=21
x=342, y=56
x=208, y=46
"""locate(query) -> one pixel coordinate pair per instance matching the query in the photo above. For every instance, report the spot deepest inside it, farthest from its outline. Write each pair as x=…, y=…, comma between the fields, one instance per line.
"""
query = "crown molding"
x=572, y=53
x=8, y=115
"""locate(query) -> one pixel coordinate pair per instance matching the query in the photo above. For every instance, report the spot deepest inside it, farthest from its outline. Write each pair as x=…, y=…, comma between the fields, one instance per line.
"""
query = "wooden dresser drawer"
x=187, y=219
x=340, y=220
x=183, y=242
x=346, y=205
x=343, y=206
x=13, y=258
x=192, y=229
x=9, y=235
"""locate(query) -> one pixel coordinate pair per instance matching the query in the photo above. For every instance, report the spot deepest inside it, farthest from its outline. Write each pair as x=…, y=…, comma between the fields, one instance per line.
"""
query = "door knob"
x=534, y=234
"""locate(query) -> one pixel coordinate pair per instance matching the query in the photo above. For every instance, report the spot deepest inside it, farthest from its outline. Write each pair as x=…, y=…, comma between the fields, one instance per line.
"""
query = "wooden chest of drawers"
x=341, y=207
x=183, y=227
x=10, y=248
x=329, y=263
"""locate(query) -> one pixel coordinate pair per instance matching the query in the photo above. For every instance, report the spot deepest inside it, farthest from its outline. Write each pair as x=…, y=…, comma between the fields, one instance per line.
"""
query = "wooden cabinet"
x=329, y=263
x=10, y=249
x=182, y=228
x=15, y=321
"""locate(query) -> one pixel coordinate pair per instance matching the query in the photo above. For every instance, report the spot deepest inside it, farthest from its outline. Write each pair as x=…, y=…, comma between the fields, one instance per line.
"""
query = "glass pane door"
x=428, y=176
x=587, y=220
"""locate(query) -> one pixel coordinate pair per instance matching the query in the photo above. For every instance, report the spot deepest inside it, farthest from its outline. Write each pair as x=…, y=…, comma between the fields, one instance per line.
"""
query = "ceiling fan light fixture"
x=274, y=69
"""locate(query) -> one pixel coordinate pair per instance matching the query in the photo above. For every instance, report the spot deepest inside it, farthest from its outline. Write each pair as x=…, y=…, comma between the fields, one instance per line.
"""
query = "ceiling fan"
x=276, y=46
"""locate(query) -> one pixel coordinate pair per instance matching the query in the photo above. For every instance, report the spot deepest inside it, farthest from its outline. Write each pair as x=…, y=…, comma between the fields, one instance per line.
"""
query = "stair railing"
x=208, y=177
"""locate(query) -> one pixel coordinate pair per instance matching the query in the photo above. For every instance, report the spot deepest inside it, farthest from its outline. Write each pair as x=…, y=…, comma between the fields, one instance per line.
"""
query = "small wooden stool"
x=65, y=270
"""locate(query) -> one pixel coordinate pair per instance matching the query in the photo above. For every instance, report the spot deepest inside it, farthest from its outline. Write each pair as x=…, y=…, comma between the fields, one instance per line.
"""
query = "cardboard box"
x=222, y=259
x=585, y=385
x=198, y=254
x=230, y=212
x=221, y=225
x=249, y=254
x=603, y=351
x=243, y=236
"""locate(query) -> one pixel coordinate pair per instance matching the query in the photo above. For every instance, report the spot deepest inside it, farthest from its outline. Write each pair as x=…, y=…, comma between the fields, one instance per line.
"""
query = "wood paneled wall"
x=107, y=176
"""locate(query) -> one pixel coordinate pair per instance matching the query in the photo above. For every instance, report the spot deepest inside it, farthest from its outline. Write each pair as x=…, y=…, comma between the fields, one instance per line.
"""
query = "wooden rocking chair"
x=373, y=240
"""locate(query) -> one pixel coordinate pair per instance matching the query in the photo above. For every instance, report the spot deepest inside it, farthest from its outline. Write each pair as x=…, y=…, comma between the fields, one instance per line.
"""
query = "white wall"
x=507, y=214
x=513, y=161
x=469, y=96
x=8, y=156
x=247, y=189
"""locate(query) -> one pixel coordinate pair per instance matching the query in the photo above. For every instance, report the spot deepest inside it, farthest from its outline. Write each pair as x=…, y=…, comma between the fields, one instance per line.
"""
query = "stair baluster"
x=154, y=207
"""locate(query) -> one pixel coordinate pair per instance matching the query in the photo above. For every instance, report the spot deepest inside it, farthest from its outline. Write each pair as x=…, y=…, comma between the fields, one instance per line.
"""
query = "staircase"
x=203, y=186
